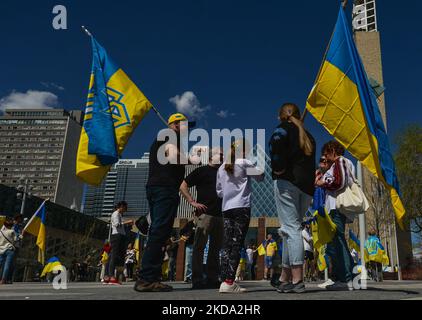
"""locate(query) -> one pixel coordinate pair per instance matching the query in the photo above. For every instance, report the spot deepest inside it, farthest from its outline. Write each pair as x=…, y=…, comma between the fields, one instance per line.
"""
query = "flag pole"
x=86, y=31
x=33, y=216
x=362, y=232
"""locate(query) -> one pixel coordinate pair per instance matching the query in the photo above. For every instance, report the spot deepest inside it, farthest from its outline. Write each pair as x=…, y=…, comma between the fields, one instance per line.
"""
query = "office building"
x=40, y=145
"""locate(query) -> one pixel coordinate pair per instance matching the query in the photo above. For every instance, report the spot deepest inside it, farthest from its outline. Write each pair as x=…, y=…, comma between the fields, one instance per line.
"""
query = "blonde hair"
x=238, y=150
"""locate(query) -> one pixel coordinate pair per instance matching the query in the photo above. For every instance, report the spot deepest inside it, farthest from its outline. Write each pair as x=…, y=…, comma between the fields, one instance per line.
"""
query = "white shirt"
x=249, y=253
x=117, y=223
x=235, y=189
x=307, y=240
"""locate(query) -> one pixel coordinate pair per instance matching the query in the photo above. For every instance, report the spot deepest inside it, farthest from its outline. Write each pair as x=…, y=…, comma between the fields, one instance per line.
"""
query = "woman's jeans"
x=188, y=262
x=291, y=205
x=6, y=260
x=338, y=250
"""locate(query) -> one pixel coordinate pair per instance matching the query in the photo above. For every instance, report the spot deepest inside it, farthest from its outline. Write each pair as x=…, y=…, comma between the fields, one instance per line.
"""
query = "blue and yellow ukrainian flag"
x=342, y=100
x=115, y=107
x=375, y=251
x=51, y=265
x=36, y=227
x=354, y=242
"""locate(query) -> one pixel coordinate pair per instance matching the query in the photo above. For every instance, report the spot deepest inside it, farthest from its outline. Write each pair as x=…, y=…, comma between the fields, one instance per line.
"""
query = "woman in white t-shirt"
x=234, y=187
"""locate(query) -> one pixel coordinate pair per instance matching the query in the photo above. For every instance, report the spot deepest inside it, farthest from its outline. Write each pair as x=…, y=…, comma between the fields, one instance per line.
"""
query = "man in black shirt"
x=209, y=223
x=163, y=199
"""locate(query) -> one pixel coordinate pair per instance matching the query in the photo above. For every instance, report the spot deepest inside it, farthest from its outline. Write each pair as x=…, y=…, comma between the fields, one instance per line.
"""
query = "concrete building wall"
x=69, y=188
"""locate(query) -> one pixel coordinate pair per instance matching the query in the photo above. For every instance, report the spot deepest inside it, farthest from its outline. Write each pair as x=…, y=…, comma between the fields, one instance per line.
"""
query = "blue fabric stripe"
x=338, y=53
x=100, y=129
x=370, y=106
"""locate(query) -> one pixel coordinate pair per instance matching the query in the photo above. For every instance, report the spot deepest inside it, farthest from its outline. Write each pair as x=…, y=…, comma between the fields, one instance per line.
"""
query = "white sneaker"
x=350, y=285
x=329, y=282
x=234, y=288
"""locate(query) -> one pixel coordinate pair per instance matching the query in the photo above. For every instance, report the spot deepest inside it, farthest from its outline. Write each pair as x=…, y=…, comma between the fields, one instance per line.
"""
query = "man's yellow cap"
x=176, y=117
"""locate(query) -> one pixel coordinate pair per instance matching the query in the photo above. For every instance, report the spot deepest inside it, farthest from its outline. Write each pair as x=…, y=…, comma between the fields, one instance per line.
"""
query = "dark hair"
x=288, y=110
x=18, y=217
x=333, y=146
x=120, y=204
x=8, y=223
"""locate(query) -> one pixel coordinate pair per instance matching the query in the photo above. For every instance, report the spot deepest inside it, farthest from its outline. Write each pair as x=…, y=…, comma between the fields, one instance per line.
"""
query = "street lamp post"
x=24, y=189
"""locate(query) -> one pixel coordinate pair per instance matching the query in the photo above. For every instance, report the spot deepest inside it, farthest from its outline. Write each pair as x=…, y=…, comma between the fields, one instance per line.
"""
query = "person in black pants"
x=117, y=242
x=166, y=173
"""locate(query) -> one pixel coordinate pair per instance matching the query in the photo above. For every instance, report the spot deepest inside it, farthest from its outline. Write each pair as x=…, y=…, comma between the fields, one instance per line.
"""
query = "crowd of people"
x=223, y=209
x=215, y=253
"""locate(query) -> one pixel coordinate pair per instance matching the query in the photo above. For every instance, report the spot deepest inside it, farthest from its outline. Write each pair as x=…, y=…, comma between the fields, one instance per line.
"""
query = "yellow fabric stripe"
x=34, y=227
x=88, y=167
x=137, y=105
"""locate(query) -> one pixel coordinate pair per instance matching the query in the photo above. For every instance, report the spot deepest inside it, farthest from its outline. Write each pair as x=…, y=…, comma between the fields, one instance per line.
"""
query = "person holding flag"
x=8, y=239
x=166, y=172
x=376, y=255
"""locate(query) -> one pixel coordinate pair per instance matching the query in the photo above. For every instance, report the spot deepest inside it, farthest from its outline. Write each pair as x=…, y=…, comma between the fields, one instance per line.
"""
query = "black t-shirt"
x=286, y=154
x=205, y=179
x=170, y=175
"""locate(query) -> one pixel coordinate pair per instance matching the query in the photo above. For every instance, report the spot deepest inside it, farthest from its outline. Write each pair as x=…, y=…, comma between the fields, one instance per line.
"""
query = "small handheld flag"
x=36, y=227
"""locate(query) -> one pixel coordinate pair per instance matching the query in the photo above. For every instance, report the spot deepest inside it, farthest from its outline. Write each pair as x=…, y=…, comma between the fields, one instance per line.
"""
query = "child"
x=234, y=187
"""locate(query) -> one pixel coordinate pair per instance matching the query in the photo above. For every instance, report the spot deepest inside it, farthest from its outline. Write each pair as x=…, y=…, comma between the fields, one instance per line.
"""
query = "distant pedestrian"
x=8, y=239
x=187, y=234
x=270, y=246
x=118, y=242
x=130, y=261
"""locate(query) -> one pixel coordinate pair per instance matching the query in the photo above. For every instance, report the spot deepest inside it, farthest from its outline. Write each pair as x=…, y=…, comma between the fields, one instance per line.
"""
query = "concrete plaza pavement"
x=258, y=290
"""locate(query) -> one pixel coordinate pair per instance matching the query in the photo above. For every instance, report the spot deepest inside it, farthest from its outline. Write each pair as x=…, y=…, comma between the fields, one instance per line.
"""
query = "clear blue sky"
x=243, y=57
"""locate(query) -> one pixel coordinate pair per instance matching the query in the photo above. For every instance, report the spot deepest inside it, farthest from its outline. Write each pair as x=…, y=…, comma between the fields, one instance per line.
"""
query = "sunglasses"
x=323, y=160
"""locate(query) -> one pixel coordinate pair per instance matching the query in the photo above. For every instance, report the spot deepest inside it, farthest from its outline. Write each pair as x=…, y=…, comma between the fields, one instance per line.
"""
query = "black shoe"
x=275, y=283
x=281, y=286
x=338, y=286
x=143, y=286
x=294, y=287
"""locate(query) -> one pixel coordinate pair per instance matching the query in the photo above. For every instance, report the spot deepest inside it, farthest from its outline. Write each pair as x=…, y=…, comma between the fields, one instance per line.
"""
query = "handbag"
x=352, y=200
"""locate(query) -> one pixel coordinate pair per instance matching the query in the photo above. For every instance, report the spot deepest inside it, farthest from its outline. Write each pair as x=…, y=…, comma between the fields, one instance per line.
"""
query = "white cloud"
x=53, y=85
x=189, y=105
x=31, y=99
x=224, y=114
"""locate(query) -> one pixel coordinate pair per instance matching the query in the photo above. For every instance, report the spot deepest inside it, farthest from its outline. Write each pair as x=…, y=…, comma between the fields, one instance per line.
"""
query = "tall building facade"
x=126, y=181
x=380, y=216
x=40, y=146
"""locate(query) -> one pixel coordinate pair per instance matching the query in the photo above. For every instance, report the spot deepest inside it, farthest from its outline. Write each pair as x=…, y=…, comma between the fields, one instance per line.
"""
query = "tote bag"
x=352, y=200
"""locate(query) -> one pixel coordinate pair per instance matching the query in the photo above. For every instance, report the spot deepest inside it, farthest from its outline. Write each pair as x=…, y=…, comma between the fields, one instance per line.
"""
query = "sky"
x=231, y=63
